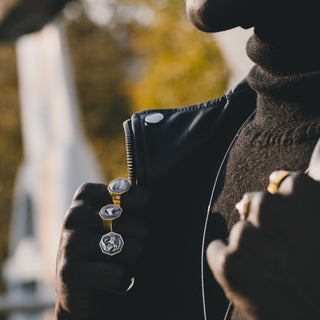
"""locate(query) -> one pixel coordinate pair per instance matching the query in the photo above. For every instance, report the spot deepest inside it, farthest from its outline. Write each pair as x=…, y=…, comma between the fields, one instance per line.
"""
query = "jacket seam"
x=214, y=103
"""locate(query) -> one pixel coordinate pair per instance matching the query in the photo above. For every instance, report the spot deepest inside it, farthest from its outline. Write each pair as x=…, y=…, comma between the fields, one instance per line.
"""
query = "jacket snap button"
x=154, y=118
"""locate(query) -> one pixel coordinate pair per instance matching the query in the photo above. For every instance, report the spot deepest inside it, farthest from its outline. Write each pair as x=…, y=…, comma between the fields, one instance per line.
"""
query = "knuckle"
x=263, y=208
x=64, y=271
x=241, y=235
x=258, y=202
x=71, y=214
x=293, y=184
x=74, y=216
x=65, y=246
x=71, y=256
x=303, y=195
x=64, y=274
x=83, y=190
x=71, y=249
x=91, y=192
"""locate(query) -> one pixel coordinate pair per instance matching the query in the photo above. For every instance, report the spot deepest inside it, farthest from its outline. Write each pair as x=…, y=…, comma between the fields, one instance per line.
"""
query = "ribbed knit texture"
x=285, y=128
x=282, y=134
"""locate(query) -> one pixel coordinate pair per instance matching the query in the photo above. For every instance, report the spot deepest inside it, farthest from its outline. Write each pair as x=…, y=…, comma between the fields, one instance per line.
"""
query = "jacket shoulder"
x=161, y=138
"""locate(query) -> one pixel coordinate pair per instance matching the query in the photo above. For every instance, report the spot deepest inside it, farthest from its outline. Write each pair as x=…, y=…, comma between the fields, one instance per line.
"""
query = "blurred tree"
x=133, y=55
x=5, y=7
x=127, y=56
x=99, y=62
x=179, y=64
x=10, y=141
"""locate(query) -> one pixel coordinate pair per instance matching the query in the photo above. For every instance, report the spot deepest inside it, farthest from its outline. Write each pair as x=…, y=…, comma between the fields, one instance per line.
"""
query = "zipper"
x=129, y=151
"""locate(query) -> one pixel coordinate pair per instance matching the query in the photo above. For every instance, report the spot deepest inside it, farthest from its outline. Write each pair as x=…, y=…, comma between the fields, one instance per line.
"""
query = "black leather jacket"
x=176, y=154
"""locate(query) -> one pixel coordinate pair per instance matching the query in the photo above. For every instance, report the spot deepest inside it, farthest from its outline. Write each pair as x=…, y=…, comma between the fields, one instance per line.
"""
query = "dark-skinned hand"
x=270, y=268
x=90, y=284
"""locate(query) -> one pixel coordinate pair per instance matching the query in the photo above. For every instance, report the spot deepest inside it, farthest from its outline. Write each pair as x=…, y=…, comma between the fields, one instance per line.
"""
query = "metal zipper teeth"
x=130, y=152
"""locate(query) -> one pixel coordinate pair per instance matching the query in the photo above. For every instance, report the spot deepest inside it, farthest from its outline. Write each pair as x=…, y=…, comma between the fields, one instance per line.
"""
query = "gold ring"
x=117, y=188
x=108, y=213
x=275, y=180
x=112, y=243
x=243, y=206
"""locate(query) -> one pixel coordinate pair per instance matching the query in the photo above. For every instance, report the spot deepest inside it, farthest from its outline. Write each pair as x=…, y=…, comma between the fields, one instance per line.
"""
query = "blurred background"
x=70, y=73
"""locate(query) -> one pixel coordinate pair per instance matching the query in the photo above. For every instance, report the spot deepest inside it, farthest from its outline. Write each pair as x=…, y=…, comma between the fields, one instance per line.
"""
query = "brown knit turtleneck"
x=284, y=131
x=282, y=134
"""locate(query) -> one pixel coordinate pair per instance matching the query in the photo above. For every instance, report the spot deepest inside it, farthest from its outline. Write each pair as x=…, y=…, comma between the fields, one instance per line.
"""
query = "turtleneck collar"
x=287, y=83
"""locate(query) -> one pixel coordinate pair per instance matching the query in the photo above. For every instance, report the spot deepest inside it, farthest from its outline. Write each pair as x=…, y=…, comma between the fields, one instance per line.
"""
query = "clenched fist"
x=270, y=268
x=90, y=284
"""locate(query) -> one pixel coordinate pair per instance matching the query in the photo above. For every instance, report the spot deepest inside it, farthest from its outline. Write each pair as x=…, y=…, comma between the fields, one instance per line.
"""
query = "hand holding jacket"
x=270, y=267
x=91, y=284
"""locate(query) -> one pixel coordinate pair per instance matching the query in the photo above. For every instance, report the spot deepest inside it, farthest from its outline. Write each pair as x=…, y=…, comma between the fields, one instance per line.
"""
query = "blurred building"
x=57, y=159
x=232, y=44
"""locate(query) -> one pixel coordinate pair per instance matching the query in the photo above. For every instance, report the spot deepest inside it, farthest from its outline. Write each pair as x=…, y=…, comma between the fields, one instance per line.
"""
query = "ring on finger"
x=243, y=206
x=112, y=243
x=109, y=213
x=117, y=188
x=275, y=180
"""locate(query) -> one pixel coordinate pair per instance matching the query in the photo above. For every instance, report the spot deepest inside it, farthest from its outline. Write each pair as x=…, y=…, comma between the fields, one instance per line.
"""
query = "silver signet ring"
x=111, y=243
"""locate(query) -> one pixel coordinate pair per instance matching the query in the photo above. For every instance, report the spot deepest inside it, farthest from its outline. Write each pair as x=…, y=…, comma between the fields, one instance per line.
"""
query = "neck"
x=287, y=82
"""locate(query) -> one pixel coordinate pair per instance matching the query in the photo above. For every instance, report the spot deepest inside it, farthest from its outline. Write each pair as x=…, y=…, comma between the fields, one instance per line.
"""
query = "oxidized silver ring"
x=117, y=188
x=111, y=243
x=109, y=213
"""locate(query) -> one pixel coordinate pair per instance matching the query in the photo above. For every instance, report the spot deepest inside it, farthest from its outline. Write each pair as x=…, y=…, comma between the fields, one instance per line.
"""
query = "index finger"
x=93, y=195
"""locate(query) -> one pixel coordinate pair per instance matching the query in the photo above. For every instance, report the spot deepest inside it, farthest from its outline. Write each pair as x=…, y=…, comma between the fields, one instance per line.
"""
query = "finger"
x=91, y=291
x=300, y=184
x=241, y=235
x=102, y=276
x=237, y=270
x=288, y=186
x=83, y=218
x=303, y=196
x=250, y=241
x=246, y=243
x=80, y=247
x=244, y=236
x=216, y=257
x=269, y=212
x=93, y=195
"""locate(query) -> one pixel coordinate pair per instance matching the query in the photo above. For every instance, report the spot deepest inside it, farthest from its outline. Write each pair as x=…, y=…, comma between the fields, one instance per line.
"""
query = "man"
x=226, y=147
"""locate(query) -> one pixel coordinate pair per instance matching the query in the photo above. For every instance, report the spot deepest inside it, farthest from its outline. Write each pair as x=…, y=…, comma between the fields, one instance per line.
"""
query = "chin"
x=197, y=11
x=218, y=15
